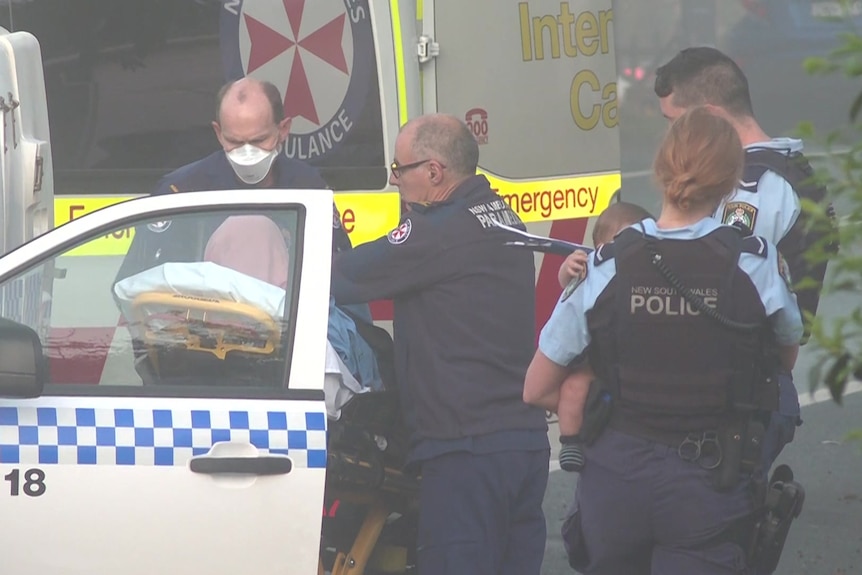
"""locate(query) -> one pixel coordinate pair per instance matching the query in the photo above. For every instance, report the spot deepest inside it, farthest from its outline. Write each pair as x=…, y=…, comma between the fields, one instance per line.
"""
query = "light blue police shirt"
x=565, y=337
x=775, y=207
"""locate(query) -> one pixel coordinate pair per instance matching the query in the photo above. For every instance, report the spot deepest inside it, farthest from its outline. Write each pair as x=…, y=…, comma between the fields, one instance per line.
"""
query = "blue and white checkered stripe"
x=83, y=436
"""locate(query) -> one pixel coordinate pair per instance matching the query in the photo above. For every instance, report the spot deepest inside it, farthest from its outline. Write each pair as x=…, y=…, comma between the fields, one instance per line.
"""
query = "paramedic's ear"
x=217, y=130
x=284, y=129
x=435, y=172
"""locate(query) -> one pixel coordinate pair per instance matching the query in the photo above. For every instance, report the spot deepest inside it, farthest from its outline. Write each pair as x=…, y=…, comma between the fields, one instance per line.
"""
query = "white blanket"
x=339, y=385
x=203, y=279
x=206, y=279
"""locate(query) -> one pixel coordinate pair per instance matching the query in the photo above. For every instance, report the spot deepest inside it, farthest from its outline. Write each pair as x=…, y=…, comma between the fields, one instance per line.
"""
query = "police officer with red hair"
x=677, y=317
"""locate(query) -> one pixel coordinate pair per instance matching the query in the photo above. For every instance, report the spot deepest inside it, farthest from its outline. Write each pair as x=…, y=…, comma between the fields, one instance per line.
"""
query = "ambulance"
x=103, y=473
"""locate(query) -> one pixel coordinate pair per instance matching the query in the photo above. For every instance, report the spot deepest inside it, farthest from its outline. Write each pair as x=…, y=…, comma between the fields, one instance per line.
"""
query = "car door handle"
x=243, y=465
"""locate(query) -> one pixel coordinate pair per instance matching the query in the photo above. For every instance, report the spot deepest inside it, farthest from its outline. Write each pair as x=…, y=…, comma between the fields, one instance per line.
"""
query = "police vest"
x=672, y=368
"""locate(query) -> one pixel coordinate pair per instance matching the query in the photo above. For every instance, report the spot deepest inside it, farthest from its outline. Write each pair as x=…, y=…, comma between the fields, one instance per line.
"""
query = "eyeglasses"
x=398, y=170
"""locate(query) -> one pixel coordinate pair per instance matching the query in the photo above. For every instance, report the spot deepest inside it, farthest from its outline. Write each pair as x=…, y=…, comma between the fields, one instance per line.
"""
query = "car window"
x=202, y=301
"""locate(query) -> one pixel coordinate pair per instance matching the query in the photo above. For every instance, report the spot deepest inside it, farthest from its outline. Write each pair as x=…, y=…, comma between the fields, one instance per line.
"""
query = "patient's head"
x=615, y=219
x=252, y=245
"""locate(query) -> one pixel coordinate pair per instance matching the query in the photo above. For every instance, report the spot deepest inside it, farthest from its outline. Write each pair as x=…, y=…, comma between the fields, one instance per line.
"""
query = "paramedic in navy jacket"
x=464, y=336
x=251, y=128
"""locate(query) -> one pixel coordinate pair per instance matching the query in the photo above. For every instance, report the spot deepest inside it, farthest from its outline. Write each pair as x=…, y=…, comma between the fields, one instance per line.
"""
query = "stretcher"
x=232, y=328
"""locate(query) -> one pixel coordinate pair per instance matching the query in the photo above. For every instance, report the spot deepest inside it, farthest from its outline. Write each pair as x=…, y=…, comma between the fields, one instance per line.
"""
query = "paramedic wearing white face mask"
x=251, y=128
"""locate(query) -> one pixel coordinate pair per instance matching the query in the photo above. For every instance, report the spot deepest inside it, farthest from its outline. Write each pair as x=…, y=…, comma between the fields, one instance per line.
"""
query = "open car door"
x=202, y=446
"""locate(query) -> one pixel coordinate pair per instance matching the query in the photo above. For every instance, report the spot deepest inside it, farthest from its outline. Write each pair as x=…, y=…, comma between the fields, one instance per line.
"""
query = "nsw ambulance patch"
x=740, y=213
x=400, y=234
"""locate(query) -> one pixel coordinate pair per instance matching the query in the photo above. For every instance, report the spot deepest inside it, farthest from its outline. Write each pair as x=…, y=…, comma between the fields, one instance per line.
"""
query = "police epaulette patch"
x=740, y=212
x=603, y=253
x=751, y=177
x=755, y=245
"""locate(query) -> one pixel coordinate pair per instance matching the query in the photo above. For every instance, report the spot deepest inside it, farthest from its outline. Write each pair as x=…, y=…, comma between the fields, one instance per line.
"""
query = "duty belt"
x=701, y=447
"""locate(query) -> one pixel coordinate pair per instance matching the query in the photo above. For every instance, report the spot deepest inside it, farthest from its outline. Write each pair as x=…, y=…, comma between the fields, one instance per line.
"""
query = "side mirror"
x=22, y=365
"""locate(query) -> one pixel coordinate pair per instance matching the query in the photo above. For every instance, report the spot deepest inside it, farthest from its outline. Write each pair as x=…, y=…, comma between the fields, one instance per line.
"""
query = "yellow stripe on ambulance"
x=560, y=198
x=367, y=216
x=67, y=209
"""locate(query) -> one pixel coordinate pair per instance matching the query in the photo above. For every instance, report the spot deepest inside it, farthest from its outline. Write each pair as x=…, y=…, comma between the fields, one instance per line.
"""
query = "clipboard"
x=536, y=243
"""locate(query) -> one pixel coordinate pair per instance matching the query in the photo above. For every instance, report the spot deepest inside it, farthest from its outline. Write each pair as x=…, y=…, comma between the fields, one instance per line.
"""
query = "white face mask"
x=250, y=163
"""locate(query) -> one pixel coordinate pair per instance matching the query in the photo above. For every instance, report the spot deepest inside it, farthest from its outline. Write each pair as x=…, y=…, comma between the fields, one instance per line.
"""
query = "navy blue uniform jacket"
x=464, y=304
x=154, y=245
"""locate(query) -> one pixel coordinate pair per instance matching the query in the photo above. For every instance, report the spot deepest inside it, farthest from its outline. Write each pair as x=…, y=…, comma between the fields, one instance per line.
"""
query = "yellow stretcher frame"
x=381, y=504
x=195, y=309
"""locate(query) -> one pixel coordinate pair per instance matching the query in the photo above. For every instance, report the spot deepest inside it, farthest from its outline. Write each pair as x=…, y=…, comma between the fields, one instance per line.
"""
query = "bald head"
x=250, y=92
x=445, y=138
x=250, y=113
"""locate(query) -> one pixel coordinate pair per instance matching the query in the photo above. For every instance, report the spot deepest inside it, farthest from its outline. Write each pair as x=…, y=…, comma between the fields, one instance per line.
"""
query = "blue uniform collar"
x=782, y=144
x=463, y=192
x=692, y=232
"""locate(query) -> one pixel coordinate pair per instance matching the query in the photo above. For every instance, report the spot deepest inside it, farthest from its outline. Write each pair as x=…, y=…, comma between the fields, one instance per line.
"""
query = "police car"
x=226, y=460
x=172, y=479
x=198, y=473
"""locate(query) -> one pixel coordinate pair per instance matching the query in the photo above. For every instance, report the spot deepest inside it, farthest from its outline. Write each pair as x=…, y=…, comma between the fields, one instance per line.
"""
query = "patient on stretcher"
x=224, y=317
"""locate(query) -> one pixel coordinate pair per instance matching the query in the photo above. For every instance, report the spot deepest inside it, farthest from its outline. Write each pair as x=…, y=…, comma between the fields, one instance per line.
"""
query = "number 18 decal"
x=33, y=484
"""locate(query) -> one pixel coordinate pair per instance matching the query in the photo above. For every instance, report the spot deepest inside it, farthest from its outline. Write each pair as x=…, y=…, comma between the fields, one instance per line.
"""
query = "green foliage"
x=838, y=342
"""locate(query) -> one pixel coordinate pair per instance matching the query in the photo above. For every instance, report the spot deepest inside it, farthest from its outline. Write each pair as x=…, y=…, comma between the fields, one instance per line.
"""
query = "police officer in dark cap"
x=251, y=127
x=678, y=317
x=464, y=328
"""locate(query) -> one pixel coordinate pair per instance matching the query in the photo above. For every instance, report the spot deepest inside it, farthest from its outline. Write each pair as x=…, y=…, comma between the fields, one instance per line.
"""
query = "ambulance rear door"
x=211, y=476
x=535, y=81
x=26, y=171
